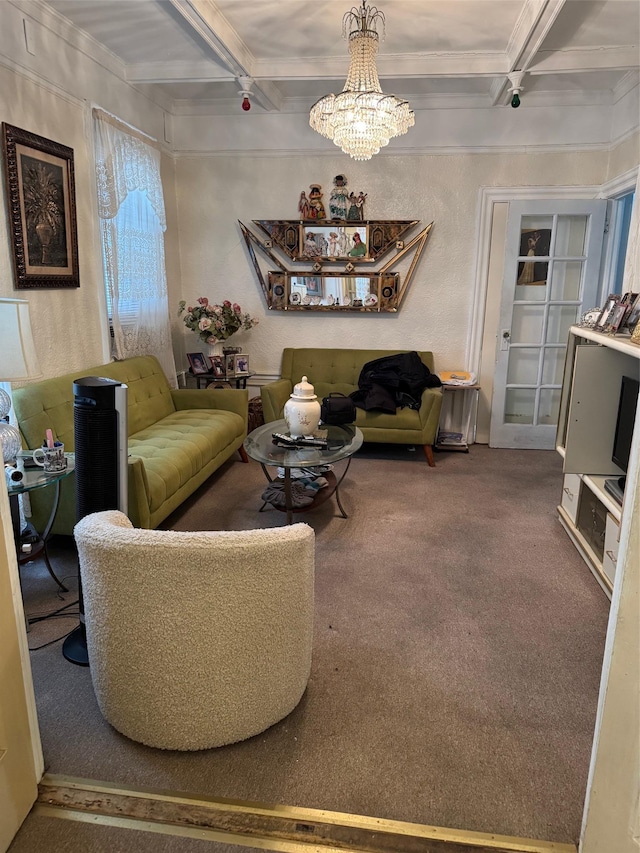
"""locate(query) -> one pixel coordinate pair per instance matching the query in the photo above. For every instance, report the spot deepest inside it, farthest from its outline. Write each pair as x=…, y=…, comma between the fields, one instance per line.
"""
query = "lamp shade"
x=18, y=358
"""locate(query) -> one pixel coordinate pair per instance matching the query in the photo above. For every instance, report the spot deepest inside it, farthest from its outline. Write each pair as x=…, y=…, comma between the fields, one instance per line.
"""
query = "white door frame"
x=482, y=332
x=21, y=759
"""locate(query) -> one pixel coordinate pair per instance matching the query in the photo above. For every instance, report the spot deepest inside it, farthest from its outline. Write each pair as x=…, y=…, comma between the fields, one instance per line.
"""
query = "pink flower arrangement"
x=214, y=323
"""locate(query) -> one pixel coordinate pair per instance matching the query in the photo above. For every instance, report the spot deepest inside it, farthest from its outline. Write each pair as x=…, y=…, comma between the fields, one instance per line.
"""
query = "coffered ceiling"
x=190, y=56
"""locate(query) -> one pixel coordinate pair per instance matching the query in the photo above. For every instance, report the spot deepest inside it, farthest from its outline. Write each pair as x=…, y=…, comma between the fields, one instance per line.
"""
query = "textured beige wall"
x=624, y=157
x=67, y=327
x=214, y=192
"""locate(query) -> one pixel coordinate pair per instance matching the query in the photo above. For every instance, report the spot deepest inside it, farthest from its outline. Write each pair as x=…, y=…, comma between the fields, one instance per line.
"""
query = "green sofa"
x=177, y=438
x=331, y=370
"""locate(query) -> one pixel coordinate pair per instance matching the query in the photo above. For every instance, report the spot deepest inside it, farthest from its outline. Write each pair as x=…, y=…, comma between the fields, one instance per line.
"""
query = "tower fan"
x=100, y=427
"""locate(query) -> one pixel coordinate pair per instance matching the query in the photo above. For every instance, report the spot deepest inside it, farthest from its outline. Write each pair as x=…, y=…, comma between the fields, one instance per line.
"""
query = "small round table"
x=35, y=478
x=212, y=380
x=342, y=443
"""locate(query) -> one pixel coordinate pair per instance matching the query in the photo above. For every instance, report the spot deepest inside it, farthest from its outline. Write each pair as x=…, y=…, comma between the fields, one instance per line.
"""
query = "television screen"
x=625, y=422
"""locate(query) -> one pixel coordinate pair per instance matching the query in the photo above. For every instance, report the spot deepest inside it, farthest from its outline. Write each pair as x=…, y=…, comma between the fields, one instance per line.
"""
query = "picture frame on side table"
x=217, y=366
x=242, y=364
x=198, y=363
x=230, y=364
x=41, y=200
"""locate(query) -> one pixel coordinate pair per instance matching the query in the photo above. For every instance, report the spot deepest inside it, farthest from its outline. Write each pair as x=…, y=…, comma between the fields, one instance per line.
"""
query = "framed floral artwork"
x=42, y=210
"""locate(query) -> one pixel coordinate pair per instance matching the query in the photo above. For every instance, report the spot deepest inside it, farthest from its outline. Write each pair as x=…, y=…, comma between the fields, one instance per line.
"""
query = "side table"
x=457, y=427
x=210, y=379
x=35, y=478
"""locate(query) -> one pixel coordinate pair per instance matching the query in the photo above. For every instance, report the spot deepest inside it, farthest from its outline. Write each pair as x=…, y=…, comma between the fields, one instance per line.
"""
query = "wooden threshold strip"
x=264, y=826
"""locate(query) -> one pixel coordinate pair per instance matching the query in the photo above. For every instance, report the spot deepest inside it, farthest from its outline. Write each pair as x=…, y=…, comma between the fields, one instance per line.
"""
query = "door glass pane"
x=565, y=279
x=532, y=280
x=537, y=223
x=523, y=365
x=549, y=406
x=553, y=365
x=561, y=318
x=526, y=325
x=570, y=235
x=519, y=405
x=535, y=242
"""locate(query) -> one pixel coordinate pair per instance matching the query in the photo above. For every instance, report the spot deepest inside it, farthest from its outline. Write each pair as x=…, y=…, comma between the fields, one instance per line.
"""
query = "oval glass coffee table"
x=342, y=443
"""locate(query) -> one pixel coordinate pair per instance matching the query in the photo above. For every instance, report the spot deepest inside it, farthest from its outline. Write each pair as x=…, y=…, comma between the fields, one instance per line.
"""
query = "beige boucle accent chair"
x=196, y=640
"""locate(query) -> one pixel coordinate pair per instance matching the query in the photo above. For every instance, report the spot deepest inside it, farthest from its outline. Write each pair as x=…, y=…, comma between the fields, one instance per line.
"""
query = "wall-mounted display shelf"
x=339, y=252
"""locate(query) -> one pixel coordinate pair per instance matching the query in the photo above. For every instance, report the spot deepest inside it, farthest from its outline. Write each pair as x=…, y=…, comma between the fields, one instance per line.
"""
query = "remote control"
x=281, y=438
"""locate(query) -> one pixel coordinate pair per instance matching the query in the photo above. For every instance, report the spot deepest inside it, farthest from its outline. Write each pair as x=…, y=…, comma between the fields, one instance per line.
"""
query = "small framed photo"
x=198, y=363
x=616, y=317
x=603, y=319
x=242, y=364
x=230, y=365
x=633, y=317
x=217, y=366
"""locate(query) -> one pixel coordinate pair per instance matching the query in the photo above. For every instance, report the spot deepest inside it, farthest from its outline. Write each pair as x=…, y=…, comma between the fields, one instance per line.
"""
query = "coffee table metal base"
x=332, y=487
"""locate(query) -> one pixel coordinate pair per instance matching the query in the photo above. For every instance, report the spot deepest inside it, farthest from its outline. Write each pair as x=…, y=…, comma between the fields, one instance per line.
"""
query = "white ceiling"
x=189, y=55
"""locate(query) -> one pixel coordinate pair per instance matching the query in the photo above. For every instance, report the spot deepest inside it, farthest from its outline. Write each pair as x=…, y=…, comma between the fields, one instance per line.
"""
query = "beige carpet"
x=457, y=655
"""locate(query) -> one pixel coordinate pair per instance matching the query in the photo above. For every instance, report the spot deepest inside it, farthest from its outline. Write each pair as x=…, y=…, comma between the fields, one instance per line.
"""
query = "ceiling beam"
x=614, y=58
x=531, y=29
x=205, y=19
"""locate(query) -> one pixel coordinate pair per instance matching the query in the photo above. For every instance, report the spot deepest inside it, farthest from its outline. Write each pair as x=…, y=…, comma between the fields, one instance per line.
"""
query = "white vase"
x=215, y=349
x=302, y=410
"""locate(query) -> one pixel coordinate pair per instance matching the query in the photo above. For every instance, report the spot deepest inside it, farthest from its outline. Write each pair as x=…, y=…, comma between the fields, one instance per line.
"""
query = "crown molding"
x=44, y=15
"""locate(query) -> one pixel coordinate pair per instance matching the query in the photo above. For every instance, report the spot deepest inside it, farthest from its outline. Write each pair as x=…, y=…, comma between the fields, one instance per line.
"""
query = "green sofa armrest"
x=429, y=412
x=274, y=396
x=138, y=494
x=227, y=399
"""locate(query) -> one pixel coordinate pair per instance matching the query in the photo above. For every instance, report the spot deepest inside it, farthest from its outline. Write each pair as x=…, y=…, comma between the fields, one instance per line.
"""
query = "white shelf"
x=594, y=368
x=596, y=485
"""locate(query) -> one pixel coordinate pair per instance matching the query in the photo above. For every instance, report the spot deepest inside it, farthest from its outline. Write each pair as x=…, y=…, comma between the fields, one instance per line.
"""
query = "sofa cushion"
x=178, y=447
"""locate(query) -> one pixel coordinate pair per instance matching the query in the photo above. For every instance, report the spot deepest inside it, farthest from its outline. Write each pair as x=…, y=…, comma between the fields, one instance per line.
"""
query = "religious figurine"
x=316, y=207
x=338, y=198
x=303, y=205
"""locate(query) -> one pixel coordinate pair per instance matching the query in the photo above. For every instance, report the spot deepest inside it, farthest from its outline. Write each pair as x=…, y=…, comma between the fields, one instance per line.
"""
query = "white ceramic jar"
x=302, y=410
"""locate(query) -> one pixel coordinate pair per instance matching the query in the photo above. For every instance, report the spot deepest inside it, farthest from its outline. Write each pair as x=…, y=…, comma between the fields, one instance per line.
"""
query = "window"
x=132, y=225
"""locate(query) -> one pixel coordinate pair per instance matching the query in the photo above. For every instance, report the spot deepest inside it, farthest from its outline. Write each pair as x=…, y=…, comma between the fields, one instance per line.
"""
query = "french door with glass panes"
x=551, y=275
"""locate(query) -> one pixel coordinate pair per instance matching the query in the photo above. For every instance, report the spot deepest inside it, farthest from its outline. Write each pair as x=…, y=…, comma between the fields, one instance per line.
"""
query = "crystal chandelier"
x=361, y=119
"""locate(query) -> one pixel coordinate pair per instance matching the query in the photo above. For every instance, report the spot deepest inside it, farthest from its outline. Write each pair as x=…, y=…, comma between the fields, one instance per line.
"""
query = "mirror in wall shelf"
x=325, y=290
x=335, y=282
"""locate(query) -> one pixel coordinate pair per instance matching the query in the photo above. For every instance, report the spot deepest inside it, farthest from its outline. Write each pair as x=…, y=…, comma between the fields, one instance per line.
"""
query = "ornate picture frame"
x=197, y=363
x=217, y=363
x=41, y=201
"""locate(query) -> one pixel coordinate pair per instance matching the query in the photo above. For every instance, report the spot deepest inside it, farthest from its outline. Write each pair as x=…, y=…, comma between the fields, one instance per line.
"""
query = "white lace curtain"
x=132, y=224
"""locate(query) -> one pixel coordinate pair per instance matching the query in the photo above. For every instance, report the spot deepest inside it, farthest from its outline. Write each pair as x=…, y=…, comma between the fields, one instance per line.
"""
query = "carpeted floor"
x=457, y=654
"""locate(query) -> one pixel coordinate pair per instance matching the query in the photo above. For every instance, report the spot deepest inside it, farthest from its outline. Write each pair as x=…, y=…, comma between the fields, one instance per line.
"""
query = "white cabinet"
x=611, y=539
x=592, y=517
x=570, y=495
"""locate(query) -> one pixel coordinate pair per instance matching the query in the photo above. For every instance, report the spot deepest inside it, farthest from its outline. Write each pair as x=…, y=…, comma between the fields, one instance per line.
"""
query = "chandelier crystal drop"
x=362, y=118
